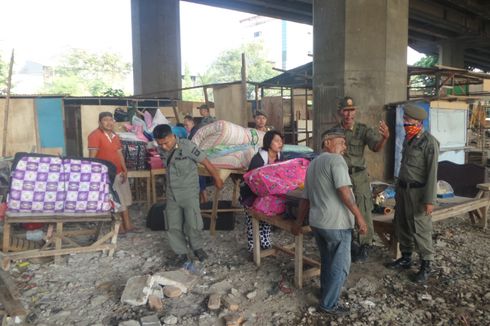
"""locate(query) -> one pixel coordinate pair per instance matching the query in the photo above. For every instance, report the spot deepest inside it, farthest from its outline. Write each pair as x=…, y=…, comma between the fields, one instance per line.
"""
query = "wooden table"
x=212, y=213
x=61, y=242
x=136, y=177
x=477, y=208
x=295, y=249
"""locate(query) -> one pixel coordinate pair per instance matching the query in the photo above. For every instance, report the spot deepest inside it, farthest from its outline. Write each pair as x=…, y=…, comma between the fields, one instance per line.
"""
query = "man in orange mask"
x=416, y=193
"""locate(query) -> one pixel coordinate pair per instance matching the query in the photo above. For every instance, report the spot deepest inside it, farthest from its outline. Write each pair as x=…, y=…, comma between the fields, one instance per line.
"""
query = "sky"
x=42, y=30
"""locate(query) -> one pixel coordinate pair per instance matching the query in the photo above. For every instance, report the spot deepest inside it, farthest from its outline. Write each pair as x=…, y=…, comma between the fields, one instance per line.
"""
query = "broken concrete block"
x=231, y=304
x=151, y=320
x=155, y=303
x=157, y=291
x=170, y=320
x=179, y=278
x=137, y=290
x=214, y=301
x=129, y=323
x=234, y=319
x=171, y=291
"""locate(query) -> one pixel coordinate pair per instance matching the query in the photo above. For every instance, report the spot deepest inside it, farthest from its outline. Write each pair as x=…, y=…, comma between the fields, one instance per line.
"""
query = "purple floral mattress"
x=45, y=184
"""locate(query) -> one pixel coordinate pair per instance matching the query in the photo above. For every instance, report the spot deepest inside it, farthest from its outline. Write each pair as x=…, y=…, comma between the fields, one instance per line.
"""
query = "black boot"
x=423, y=275
x=404, y=262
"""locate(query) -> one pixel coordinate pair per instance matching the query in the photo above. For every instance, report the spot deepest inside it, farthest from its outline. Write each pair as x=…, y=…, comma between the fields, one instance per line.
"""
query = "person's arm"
x=213, y=172
x=124, y=172
x=347, y=198
x=384, y=132
x=432, y=157
x=92, y=153
x=304, y=207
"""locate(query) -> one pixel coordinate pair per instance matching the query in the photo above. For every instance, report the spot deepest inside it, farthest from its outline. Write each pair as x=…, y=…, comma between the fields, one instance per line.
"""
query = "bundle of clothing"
x=228, y=145
x=272, y=182
x=52, y=184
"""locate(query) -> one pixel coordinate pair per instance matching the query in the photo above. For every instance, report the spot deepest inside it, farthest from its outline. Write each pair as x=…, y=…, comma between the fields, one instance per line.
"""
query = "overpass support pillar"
x=359, y=50
x=451, y=54
x=156, y=47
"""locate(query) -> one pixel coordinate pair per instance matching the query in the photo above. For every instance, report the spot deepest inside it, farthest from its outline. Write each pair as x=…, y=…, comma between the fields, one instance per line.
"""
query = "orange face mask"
x=412, y=130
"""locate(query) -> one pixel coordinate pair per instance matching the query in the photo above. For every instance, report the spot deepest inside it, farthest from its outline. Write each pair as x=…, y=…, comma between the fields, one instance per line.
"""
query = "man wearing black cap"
x=358, y=135
x=206, y=116
x=261, y=121
x=416, y=193
x=332, y=215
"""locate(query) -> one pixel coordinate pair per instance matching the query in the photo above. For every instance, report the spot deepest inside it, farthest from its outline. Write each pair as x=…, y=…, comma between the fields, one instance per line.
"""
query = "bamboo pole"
x=244, y=90
x=7, y=104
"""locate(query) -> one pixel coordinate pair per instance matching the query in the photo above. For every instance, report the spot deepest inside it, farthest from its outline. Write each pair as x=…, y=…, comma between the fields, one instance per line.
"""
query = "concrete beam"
x=451, y=54
x=156, y=48
x=360, y=50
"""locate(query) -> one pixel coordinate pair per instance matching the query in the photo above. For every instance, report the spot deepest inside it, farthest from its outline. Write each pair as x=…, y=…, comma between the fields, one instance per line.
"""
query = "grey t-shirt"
x=325, y=175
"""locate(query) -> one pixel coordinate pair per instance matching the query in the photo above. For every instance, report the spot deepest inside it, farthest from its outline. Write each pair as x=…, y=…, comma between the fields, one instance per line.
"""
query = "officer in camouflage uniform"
x=358, y=135
x=416, y=193
x=182, y=213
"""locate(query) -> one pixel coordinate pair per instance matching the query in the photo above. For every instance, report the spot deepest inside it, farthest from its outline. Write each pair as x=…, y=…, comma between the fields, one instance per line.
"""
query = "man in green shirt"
x=357, y=136
x=182, y=212
x=416, y=193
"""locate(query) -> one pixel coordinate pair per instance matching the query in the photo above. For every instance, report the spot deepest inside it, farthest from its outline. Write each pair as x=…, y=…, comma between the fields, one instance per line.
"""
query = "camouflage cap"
x=347, y=103
x=415, y=112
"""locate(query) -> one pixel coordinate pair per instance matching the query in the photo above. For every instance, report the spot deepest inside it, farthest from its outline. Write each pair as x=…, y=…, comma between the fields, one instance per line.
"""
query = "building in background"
x=288, y=44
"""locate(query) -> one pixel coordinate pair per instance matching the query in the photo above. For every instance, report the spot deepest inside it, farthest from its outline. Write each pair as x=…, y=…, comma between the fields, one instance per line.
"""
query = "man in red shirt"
x=104, y=144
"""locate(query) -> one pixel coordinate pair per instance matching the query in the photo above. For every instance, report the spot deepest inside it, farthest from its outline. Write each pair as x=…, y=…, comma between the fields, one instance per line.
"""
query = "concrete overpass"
x=360, y=46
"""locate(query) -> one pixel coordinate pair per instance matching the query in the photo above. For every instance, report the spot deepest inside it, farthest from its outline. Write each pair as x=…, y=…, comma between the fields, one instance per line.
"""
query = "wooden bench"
x=212, y=213
x=477, y=208
x=60, y=242
x=295, y=249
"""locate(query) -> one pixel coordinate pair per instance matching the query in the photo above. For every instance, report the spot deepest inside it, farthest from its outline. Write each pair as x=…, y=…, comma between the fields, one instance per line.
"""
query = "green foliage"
x=114, y=92
x=195, y=94
x=227, y=67
x=4, y=67
x=426, y=83
x=85, y=73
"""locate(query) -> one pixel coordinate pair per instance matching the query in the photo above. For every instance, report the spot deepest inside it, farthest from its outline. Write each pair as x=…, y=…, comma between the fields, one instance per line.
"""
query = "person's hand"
x=429, y=208
x=124, y=176
x=219, y=183
x=296, y=229
x=383, y=129
x=362, y=227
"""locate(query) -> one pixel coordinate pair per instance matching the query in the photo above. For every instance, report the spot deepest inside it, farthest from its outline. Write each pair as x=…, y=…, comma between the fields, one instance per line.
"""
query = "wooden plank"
x=306, y=260
x=256, y=240
x=298, y=261
x=9, y=296
x=54, y=252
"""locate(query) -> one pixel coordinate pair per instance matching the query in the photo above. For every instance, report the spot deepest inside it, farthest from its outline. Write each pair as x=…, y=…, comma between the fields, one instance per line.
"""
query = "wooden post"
x=7, y=104
x=206, y=99
x=176, y=113
x=298, y=261
x=58, y=241
x=256, y=240
x=244, y=88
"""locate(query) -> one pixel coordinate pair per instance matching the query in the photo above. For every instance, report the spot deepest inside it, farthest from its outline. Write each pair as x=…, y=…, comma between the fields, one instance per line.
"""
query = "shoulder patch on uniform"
x=196, y=151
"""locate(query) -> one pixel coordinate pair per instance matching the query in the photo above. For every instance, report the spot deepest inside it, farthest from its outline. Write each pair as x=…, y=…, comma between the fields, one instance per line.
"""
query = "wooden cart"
x=60, y=242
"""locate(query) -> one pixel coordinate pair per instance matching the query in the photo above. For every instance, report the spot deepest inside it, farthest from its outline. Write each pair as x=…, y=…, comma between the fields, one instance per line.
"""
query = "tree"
x=195, y=94
x=227, y=67
x=424, y=82
x=4, y=67
x=85, y=73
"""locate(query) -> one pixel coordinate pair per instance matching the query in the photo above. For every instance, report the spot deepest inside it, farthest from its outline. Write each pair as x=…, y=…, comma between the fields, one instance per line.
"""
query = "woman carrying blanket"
x=270, y=153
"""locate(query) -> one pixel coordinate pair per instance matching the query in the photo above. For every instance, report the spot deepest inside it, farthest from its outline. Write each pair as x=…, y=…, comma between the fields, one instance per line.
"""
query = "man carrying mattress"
x=182, y=213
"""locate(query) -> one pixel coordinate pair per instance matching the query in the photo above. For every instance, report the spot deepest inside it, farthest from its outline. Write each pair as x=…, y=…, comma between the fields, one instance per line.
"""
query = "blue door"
x=50, y=122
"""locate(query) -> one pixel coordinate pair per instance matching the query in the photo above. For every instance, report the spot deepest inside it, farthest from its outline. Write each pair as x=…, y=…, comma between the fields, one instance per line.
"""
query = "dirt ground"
x=85, y=289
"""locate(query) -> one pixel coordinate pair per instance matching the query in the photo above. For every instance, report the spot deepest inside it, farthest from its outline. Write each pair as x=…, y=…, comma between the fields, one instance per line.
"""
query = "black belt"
x=406, y=185
x=355, y=169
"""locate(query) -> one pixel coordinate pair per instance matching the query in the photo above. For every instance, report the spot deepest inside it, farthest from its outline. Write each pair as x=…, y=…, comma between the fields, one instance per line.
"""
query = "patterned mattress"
x=50, y=184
